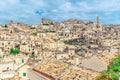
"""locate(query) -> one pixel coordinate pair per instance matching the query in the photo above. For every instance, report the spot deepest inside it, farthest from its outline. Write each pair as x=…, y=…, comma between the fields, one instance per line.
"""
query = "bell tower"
x=97, y=21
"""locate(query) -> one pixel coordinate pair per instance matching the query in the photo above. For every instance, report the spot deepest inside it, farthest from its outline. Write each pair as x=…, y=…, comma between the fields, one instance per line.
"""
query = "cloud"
x=31, y=11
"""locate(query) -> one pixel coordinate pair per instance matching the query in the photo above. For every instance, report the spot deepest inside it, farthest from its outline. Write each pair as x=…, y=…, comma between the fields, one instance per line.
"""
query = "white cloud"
x=64, y=9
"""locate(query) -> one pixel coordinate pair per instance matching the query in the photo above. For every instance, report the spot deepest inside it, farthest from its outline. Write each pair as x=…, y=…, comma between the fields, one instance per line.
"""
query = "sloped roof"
x=94, y=63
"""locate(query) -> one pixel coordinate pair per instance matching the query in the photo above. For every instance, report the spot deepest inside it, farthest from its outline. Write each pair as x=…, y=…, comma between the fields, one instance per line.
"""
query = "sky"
x=31, y=11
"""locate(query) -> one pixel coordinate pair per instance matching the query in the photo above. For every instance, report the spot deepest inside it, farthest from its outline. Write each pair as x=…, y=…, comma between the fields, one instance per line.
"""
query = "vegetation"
x=113, y=72
x=32, y=28
x=5, y=26
x=68, y=42
x=45, y=24
x=52, y=31
x=14, y=51
x=50, y=23
x=76, y=41
x=34, y=33
x=32, y=56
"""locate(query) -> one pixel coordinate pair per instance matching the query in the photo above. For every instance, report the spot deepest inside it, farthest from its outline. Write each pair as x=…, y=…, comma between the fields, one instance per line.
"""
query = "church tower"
x=97, y=24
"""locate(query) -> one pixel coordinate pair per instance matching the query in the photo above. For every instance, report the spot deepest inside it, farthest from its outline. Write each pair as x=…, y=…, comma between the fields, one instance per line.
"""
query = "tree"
x=113, y=72
x=51, y=31
x=32, y=56
x=14, y=51
x=17, y=51
x=5, y=26
x=34, y=33
x=11, y=51
x=32, y=28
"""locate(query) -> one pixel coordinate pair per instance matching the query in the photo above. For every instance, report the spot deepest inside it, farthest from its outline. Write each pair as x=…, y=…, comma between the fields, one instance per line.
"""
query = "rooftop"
x=51, y=67
x=94, y=63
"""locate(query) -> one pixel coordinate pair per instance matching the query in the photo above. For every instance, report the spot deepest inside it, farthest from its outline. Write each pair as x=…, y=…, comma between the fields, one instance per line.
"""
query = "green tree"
x=51, y=31
x=5, y=26
x=114, y=71
x=32, y=56
x=11, y=51
x=14, y=51
x=34, y=33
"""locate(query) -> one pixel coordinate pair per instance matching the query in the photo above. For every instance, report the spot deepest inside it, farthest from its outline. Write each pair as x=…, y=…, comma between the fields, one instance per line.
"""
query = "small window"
x=3, y=44
x=24, y=74
x=11, y=31
x=9, y=43
x=33, y=53
x=22, y=60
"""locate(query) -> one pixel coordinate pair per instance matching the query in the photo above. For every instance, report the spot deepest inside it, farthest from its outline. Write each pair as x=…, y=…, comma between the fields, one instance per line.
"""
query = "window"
x=11, y=31
x=2, y=44
x=24, y=74
x=9, y=43
x=22, y=60
x=32, y=52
